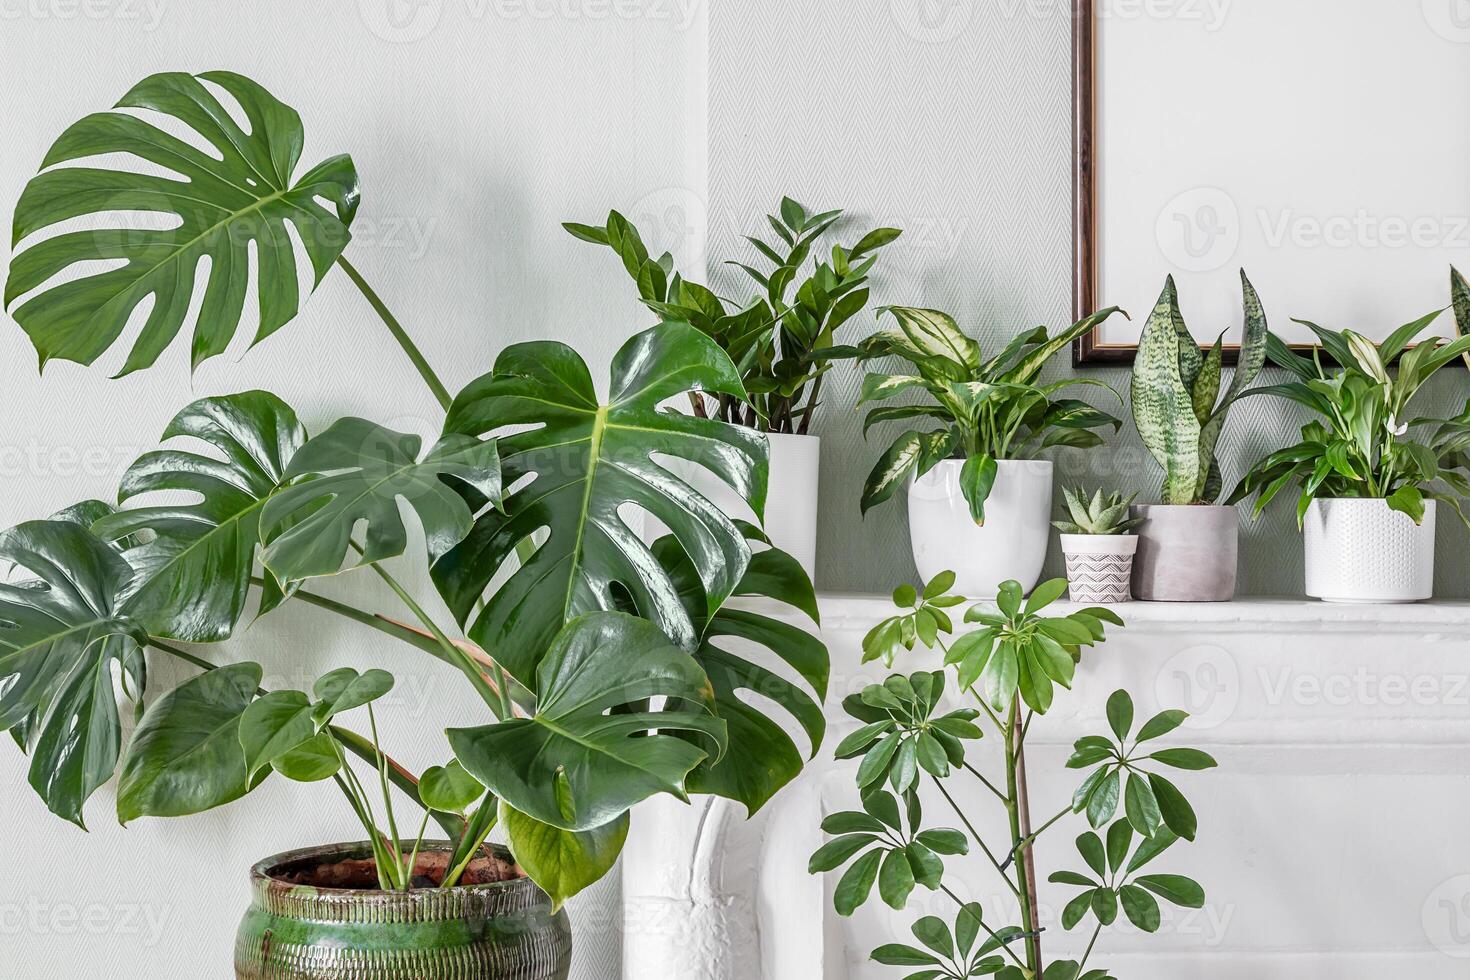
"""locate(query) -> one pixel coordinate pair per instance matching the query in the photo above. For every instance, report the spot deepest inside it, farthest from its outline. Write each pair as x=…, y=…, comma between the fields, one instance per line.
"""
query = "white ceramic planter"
x=1099, y=567
x=1358, y=550
x=791, y=495
x=1010, y=545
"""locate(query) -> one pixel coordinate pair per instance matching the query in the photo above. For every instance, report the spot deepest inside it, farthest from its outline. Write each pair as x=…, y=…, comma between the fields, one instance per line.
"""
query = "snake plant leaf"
x=563, y=862
x=60, y=635
x=185, y=755
x=193, y=574
x=1206, y=387
x=358, y=471
x=763, y=757
x=1162, y=408
x=1253, y=346
x=935, y=334
x=572, y=764
x=222, y=208
x=580, y=472
x=1191, y=360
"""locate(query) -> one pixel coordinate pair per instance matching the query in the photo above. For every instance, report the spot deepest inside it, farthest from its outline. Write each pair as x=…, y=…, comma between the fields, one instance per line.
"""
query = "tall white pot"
x=1011, y=544
x=1358, y=550
x=791, y=496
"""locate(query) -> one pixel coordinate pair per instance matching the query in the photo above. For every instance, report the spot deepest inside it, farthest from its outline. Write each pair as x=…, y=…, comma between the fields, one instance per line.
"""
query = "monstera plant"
x=603, y=662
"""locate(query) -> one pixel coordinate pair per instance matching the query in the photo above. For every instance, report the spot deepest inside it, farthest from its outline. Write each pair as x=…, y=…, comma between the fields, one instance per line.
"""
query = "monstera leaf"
x=61, y=632
x=219, y=207
x=762, y=757
x=358, y=471
x=578, y=469
x=193, y=576
x=588, y=753
x=563, y=862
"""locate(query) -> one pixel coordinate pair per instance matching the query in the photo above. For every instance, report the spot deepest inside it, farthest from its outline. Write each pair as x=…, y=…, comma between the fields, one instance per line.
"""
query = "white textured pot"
x=1011, y=544
x=1099, y=567
x=791, y=495
x=1358, y=550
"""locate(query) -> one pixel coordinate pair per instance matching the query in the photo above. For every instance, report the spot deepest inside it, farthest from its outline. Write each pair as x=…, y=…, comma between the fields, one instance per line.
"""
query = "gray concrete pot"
x=1186, y=553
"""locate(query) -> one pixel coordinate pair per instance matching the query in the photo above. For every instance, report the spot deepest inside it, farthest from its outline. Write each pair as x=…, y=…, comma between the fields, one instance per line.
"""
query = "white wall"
x=476, y=127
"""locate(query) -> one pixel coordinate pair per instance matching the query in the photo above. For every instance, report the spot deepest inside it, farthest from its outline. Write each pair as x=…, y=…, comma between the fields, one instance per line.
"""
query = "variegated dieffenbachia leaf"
x=1163, y=409
x=935, y=334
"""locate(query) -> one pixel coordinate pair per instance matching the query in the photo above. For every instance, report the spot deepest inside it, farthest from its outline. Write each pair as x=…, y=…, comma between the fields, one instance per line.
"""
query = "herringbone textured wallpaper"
x=950, y=119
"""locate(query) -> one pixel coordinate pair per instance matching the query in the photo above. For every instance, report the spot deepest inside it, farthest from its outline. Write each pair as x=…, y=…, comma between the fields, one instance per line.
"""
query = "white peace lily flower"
x=1394, y=428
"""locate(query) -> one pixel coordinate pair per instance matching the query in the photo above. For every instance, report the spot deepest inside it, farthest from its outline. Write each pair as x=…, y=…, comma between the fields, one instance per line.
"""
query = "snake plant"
x=1177, y=405
x=1100, y=514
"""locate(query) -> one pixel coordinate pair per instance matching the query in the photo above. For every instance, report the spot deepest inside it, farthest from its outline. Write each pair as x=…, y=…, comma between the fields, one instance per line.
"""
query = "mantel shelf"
x=1254, y=613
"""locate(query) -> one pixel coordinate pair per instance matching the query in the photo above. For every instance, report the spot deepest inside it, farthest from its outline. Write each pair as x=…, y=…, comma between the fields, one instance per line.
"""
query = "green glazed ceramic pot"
x=500, y=931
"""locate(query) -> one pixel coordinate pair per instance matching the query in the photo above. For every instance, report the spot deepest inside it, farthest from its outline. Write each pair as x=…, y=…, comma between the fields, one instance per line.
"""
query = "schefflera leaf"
x=358, y=471
x=763, y=756
x=61, y=632
x=575, y=472
x=194, y=567
x=592, y=750
x=220, y=209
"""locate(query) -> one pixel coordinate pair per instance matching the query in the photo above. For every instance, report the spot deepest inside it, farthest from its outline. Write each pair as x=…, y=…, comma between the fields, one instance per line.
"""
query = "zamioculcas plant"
x=782, y=338
x=1177, y=404
x=987, y=409
x=911, y=738
x=1366, y=442
x=598, y=658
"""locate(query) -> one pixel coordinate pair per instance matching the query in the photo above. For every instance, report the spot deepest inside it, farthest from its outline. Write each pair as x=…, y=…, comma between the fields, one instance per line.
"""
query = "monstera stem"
x=441, y=393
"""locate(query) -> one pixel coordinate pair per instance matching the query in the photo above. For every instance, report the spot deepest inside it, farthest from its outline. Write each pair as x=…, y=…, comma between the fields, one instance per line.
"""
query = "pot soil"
x=318, y=914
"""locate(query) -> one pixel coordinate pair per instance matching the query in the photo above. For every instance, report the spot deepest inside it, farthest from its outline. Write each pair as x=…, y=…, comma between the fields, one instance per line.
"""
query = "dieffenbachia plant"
x=912, y=737
x=986, y=409
x=602, y=661
x=1366, y=441
x=1177, y=404
x=783, y=339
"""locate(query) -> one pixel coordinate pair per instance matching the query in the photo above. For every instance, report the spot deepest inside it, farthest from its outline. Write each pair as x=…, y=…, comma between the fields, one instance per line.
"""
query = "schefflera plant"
x=600, y=661
x=919, y=733
x=1178, y=407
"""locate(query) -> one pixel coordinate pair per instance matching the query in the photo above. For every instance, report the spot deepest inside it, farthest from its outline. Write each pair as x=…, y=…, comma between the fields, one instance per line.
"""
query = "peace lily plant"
x=599, y=659
x=916, y=740
x=974, y=468
x=1367, y=464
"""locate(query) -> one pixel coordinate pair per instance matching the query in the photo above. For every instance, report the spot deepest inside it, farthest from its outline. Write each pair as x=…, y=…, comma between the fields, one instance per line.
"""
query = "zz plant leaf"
x=248, y=200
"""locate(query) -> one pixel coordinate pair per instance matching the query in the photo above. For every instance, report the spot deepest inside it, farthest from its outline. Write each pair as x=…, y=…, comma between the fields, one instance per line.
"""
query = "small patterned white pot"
x=1099, y=567
x=1358, y=550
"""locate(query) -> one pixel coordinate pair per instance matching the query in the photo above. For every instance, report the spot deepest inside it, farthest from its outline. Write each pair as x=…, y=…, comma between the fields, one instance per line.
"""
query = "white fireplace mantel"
x=1332, y=840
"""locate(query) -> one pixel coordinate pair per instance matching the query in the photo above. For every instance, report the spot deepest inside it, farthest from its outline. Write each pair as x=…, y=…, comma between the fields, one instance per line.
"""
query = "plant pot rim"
x=960, y=461
x=1428, y=501
x=264, y=874
x=1185, y=506
x=1096, y=537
